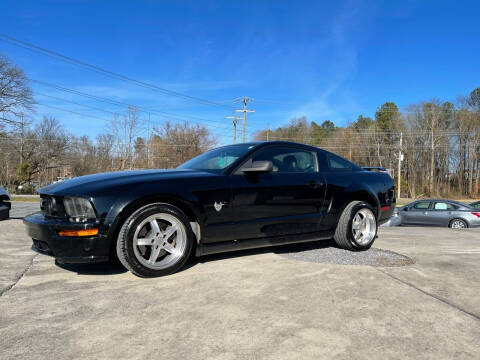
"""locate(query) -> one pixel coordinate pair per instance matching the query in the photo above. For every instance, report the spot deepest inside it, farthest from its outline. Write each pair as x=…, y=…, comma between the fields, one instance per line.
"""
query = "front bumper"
x=44, y=232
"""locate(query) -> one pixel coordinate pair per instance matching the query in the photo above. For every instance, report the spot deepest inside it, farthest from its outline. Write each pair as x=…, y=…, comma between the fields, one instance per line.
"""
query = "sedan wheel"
x=458, y=224
x=155, y=240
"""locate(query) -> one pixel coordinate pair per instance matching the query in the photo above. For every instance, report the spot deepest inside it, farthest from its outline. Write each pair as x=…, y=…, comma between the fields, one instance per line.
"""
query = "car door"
x=440, y=214
x=285, y=201
x=416, y=213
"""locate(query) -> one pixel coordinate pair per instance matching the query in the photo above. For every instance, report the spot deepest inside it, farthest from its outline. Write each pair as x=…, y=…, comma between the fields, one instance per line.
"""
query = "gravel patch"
x=326, y=253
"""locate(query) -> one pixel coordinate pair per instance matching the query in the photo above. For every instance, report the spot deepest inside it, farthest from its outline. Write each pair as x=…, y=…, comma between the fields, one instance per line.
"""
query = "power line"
x=75, y=103
x=73, y=112
x=124, y=104
x=96, y=117
x=98, y=69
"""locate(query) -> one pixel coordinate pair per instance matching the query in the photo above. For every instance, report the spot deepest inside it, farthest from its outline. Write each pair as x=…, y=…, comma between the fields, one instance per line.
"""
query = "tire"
x=458, y=224
x=344, y=234
x=150, y=250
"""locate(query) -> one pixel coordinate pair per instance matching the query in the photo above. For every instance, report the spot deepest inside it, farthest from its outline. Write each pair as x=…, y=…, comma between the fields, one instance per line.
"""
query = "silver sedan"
x=438, y=212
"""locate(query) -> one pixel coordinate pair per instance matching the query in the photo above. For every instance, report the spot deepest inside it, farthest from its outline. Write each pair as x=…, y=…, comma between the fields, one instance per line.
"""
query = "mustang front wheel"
x=155, y=240
x=357, y=227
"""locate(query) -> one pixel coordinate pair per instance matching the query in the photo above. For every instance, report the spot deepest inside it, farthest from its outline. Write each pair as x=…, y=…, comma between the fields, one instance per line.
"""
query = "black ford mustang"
x=234, y=197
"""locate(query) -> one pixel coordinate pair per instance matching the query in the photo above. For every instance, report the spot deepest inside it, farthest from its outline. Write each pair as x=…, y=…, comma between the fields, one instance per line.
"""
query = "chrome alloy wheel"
x=159, y=241
x=364, y=226
x=458, y=224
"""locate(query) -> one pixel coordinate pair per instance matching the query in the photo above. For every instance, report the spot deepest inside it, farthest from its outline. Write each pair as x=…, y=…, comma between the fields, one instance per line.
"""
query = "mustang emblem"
x=218, y=206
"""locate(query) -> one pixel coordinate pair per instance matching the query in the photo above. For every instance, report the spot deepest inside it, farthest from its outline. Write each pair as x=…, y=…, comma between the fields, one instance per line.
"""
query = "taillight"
x=477, y=214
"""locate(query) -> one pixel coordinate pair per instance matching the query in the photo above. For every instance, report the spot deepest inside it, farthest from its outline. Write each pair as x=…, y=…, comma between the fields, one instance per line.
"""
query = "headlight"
x=78, y=209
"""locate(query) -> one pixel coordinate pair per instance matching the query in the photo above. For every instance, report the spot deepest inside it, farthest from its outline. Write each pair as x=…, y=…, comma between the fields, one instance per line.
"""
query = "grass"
x=24, y=198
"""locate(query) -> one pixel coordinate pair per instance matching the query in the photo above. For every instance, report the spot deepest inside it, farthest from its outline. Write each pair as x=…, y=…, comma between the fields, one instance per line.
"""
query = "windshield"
x=217, y=159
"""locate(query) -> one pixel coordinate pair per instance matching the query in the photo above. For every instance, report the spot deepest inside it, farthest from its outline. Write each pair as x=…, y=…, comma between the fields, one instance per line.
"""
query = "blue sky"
x=324, y=60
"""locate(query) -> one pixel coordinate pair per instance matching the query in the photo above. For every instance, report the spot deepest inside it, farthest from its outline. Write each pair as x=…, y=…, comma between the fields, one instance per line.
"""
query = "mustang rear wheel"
x=357, y=227
x=155, y=240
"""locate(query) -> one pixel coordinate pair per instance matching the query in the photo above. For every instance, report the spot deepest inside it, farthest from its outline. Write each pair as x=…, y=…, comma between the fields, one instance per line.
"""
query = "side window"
x=444, y=206
x=287, y=160
x=421, y=205
x=336, y=163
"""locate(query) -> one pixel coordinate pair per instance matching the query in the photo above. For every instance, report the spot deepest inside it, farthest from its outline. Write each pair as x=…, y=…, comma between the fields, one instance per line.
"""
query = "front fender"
x=117, y=203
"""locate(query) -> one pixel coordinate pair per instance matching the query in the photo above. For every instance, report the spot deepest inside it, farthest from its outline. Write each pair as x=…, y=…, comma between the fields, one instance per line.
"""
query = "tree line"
x=437, y=142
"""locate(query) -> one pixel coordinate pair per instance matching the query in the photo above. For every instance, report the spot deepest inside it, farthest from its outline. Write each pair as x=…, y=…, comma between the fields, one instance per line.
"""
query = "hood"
x=89, y=184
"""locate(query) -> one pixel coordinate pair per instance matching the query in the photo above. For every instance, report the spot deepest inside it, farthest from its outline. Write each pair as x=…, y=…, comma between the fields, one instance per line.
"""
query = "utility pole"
x=400, y=159
x=22, y=129
x=235, y=118
x=148, y=142
x=244, y=100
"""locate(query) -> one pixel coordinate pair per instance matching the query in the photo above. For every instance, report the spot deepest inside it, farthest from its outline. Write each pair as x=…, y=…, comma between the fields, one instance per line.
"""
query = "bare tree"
x=173, y=144
x=45, y=147
x=15, y=94
x=125, y=130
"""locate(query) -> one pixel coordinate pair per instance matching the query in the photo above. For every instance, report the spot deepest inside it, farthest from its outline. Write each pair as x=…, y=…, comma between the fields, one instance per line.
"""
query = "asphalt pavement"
x=280, y=303
x=21, y=209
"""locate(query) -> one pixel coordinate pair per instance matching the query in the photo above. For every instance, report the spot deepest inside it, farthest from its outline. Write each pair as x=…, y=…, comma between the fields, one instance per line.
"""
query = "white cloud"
x=334, y=101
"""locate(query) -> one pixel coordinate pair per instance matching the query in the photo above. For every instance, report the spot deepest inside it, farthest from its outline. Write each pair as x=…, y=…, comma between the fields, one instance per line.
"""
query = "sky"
x=326, y=60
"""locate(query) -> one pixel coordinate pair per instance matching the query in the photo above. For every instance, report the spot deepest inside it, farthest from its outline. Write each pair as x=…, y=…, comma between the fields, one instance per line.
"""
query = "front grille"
x=51, y=206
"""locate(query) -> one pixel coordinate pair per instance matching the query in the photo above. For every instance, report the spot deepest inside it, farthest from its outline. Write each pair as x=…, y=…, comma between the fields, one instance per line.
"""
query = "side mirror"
x=405, y=209
x=258, y=167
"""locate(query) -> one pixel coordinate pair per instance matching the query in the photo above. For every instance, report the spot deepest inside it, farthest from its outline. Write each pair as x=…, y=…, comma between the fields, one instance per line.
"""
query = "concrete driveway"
x=248, y=305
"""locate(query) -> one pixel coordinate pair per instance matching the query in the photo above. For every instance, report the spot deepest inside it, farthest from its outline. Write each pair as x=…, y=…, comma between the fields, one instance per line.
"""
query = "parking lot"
x=417, y=299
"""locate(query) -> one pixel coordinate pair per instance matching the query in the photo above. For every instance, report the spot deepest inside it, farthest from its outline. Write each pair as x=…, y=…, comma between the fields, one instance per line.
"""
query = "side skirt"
x=225, y=246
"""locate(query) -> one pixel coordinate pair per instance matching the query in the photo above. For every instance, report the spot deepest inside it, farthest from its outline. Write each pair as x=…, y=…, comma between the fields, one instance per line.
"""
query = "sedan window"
x=287, y=159
x=422, y=205
x=444, y=206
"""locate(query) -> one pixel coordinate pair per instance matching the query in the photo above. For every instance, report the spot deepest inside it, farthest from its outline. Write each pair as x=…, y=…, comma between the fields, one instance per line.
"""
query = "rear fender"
x=362, y=192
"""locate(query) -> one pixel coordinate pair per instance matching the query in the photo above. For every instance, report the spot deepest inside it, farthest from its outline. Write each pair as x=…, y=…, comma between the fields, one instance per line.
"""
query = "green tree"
x=474, y=100
x=363, y=122
x=387, y=116
x=321, y=132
